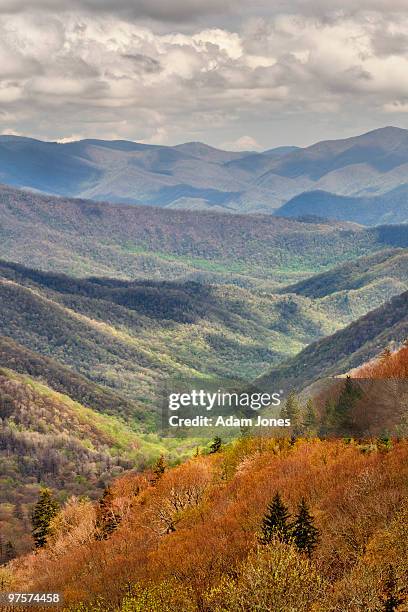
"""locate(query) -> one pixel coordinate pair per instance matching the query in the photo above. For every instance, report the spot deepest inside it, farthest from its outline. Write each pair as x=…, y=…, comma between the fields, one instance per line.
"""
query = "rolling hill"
x=390, y=266
x=108, y=343
x=84, y=238
x=196, y=176
x=346, y=349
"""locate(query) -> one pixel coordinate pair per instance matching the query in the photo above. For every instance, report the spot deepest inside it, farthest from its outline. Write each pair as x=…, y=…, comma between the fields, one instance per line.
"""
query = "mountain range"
x=368, y=171
x=103, y=302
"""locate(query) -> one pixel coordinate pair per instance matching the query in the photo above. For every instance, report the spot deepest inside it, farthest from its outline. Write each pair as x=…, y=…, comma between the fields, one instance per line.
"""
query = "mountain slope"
x=47, y=439
x=391, y=207
x=390, y=264
x=95, y=334
x=89, y=238
x=344, y=350
x=191, y=541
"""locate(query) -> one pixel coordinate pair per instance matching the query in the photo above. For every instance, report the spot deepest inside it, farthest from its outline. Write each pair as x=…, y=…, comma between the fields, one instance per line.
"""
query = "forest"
x=311, y=524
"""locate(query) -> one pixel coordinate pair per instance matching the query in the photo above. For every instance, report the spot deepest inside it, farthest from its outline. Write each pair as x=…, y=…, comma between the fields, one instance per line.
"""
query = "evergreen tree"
x=44, y=511
x=275, y=521
x=349, y=395
x=310, y=419
x=305, y=534
x=215, y=445
x=107, y=520
x=291, y=410
x=159, y=469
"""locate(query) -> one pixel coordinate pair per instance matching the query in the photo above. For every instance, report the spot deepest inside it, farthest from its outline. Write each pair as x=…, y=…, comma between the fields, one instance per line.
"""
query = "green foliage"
x=338, y=414
x=291, y=410
x=303, y=531
x=274, y=577
x=43, y=512
x=344, y=350
x=50, y=440
x=310, y=421
x=275, y=522
x=146, y=242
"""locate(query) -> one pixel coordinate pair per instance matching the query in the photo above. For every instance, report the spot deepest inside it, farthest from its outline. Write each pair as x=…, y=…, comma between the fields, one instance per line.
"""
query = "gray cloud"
x=162, y=10
x=290, y=73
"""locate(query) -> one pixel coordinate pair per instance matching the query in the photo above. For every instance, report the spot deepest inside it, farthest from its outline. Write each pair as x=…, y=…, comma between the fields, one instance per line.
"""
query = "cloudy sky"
x=238, y=74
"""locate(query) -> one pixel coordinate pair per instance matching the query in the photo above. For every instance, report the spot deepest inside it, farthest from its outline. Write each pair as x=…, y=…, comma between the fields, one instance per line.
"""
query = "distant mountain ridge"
x=196, y=176
x=390, y=207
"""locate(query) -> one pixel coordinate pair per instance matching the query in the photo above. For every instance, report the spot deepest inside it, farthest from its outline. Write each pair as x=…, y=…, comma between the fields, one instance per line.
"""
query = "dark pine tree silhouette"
x=215, y=445
x=348, y=397
x=44, y=511
x=275, y=522
x=304, y=533
x=310, y=418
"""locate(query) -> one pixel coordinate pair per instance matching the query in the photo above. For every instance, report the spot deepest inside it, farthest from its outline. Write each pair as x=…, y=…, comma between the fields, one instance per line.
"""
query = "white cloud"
x=90, y=69
x=243, y=143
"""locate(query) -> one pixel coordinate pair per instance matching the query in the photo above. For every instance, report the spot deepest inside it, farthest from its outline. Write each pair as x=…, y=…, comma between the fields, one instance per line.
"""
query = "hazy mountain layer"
x=391, y=207
x=194, y=175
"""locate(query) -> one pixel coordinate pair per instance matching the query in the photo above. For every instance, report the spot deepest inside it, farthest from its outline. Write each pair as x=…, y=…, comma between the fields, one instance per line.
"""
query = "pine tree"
x=159, y=469
x=215, y=445
x=310, y=420
x=107, y=520
x=305, y=534
x=291, y=410
x=275, y=521
x=44, y=511
x=349, y=395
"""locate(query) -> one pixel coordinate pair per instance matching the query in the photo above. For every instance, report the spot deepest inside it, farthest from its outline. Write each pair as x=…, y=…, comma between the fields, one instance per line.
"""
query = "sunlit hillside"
x=194, y=538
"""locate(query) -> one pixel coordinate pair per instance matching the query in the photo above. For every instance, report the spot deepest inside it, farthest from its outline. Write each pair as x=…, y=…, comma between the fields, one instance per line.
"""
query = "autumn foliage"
x=190, y=539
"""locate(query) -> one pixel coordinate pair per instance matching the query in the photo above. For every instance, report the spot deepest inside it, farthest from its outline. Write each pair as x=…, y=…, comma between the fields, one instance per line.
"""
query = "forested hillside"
x=346, y=349
x=47, y=439
x=391, y=207
x=84, y=238
x=196, y=539
x=108, y=343
x=307, y=523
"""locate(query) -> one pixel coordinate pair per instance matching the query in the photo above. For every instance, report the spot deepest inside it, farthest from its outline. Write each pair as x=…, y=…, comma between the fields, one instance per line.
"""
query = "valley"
x=102, y=303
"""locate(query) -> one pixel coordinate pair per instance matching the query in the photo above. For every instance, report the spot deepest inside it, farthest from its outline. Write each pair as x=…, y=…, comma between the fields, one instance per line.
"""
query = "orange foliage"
x=389, y=365
x=197, y=525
